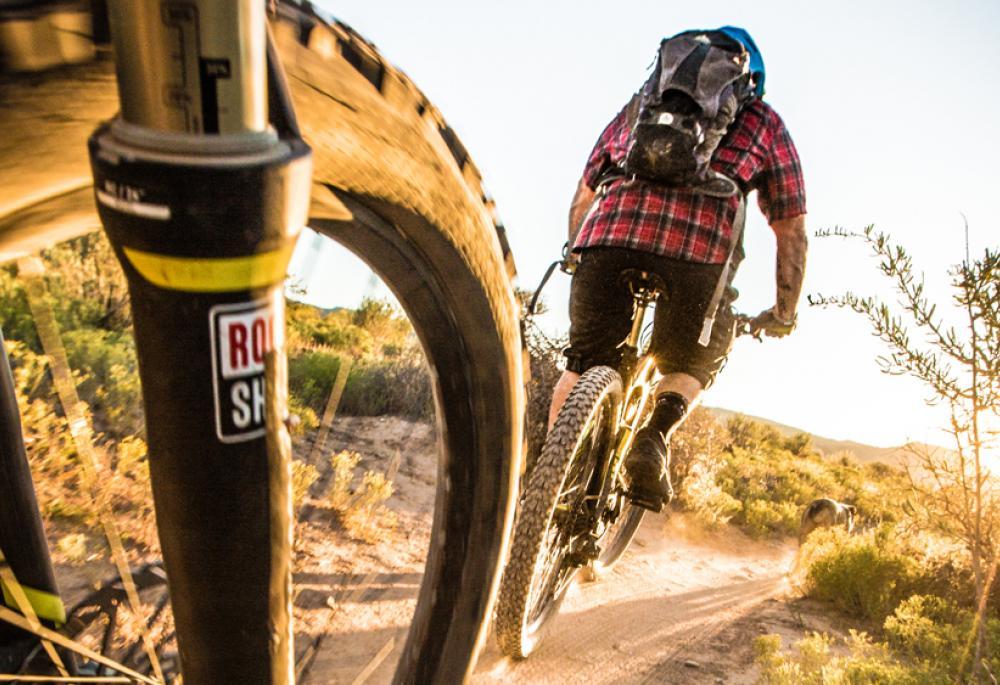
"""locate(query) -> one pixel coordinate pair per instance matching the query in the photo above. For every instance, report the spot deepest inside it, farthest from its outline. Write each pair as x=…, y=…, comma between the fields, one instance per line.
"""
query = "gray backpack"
x=700, y=82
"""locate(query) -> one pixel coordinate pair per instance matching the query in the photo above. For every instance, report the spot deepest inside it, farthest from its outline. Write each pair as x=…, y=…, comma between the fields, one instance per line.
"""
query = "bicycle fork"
x=203, y=201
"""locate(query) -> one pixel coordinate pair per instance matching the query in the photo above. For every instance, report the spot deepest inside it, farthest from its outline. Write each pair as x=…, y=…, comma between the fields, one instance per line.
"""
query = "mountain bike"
x=202, y=183
x=574, y=515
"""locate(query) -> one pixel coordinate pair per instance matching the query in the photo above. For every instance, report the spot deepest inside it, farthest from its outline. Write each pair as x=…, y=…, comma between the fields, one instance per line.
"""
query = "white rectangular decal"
x=242, y=336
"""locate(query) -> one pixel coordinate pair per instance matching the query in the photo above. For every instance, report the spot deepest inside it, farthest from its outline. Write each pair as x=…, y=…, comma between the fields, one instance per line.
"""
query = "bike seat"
x=638, y=280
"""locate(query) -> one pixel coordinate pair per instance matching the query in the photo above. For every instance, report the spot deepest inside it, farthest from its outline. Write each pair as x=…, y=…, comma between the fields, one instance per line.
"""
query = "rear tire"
x=538, y=575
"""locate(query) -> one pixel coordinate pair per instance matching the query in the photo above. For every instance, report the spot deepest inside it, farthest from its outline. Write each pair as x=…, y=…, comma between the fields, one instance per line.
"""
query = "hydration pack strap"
x=720, y=288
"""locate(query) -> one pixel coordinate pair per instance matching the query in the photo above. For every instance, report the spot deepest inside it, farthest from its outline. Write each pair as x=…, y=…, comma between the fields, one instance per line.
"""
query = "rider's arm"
x=791, y=264
x=782, y=198
x=582, y=200
x=600, y=157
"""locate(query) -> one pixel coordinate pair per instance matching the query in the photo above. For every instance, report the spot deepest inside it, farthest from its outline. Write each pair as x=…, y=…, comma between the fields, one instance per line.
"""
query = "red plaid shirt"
x=757, y=153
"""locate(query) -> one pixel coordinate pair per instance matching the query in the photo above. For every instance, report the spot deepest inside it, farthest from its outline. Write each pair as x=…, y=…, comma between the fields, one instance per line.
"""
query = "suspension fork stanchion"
x=203, y=202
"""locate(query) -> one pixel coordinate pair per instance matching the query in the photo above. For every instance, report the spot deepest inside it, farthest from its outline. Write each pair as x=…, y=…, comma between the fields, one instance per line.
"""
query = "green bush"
x=107, y=378
x=864, y=575
x=933, y=630
x=388, y=374
x=14, y=312
x=398, y=387
x=751, y=476
x=311, y=377
x=813, y=663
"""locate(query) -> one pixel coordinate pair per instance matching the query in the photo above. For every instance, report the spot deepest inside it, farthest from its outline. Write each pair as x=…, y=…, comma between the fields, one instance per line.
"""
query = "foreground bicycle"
x=203, y=184
x=574, y=513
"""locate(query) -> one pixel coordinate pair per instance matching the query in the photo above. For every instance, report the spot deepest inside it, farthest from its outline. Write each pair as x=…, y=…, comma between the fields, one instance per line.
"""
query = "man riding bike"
x=685, y=236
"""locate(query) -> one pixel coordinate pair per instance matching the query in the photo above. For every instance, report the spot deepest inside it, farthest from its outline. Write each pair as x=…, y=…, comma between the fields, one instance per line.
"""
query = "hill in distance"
x=894, y=456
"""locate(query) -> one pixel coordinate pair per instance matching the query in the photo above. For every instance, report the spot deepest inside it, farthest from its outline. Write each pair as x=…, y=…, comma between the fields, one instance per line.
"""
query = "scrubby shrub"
x=303, y=477
x=864, y=575
x=15, y=314
x=311, y=377
x=72, y=548
x=751, y=435
x=362, y=510
x=398, y=387
x=934, y=630
x=388, y=374
x=342, y=464
x=305, y=418
x=107, y=378
x=761, y=518
x=701, y=494
x=698, y=442
x=750, y=475
x=813, y=663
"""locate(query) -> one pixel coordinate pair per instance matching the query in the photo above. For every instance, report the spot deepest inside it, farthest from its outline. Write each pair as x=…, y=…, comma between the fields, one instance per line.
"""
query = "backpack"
x=699, y=84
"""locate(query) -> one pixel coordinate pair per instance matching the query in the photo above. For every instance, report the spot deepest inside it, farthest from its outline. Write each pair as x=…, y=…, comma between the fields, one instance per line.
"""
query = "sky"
x=892, y=106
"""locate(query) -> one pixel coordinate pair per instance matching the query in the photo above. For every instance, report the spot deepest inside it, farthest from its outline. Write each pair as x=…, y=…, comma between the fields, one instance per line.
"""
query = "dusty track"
x=668, y=597
x=678, y=595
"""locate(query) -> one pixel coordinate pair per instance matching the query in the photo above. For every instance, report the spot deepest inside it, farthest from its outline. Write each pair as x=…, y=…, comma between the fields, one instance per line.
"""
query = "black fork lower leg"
x=204, y=243
x=22, y=538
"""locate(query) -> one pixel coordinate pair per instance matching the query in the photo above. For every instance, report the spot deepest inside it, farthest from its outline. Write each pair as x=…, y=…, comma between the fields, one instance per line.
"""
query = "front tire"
x=538, y=573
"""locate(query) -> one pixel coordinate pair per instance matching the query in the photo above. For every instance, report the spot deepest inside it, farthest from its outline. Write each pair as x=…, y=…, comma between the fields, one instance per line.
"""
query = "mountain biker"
x=683, y=236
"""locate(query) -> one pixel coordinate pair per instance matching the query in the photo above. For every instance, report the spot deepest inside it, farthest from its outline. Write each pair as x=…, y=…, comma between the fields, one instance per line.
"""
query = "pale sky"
x=892, y=105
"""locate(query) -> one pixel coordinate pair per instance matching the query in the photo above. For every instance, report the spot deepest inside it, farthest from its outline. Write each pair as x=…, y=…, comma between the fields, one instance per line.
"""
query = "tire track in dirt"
x=670, y=594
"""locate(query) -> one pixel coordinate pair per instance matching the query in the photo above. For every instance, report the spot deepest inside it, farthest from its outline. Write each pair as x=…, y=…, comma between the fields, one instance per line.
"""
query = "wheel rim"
x=553, y=573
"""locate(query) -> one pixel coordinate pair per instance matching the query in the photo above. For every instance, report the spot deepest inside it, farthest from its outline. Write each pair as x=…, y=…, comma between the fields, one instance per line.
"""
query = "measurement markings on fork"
x=242, y=336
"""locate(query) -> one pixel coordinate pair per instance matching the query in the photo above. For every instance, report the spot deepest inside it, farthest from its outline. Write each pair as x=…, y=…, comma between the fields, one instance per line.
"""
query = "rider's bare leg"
x=682, y=384
x=559, y=394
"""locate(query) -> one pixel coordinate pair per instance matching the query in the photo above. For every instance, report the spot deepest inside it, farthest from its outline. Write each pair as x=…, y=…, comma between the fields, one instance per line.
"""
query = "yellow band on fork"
x=46, y=605
x=201, y=275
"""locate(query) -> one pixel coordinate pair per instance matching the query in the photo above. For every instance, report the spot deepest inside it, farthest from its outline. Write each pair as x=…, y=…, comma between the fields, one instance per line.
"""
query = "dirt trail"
x=682, y=606
x=659, y=609
x=679, y=596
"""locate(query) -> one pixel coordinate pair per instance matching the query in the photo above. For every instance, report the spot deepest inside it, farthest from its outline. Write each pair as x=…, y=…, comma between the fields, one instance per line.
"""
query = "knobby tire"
x=519, y=624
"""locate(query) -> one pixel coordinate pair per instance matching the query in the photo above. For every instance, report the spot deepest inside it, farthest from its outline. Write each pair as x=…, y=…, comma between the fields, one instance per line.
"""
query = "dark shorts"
x=600, y=311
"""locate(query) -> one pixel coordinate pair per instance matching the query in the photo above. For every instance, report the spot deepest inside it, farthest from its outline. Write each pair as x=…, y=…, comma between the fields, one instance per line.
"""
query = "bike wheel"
x=539, y=572
x=393, y=183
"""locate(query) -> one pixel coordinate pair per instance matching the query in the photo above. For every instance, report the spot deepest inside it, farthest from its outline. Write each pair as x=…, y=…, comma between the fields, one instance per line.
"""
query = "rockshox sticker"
x=242, y=336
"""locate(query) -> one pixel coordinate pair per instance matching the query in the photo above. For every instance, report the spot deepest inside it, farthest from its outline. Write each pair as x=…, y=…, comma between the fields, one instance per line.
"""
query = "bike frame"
x=639, y=376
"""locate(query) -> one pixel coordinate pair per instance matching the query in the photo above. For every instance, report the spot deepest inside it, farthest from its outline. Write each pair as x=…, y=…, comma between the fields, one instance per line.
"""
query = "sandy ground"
x=655, y=618
x=355, y=597
x=682, y=606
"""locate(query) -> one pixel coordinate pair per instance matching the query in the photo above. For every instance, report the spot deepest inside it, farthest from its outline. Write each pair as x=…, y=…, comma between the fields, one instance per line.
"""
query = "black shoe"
x=646, y=475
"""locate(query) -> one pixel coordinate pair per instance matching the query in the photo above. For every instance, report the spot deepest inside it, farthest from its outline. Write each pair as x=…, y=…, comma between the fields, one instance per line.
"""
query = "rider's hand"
x=570, y=261
x=768, y=323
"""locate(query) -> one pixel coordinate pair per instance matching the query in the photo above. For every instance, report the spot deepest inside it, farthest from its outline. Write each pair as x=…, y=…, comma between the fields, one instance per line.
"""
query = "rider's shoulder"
x=764, y=113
